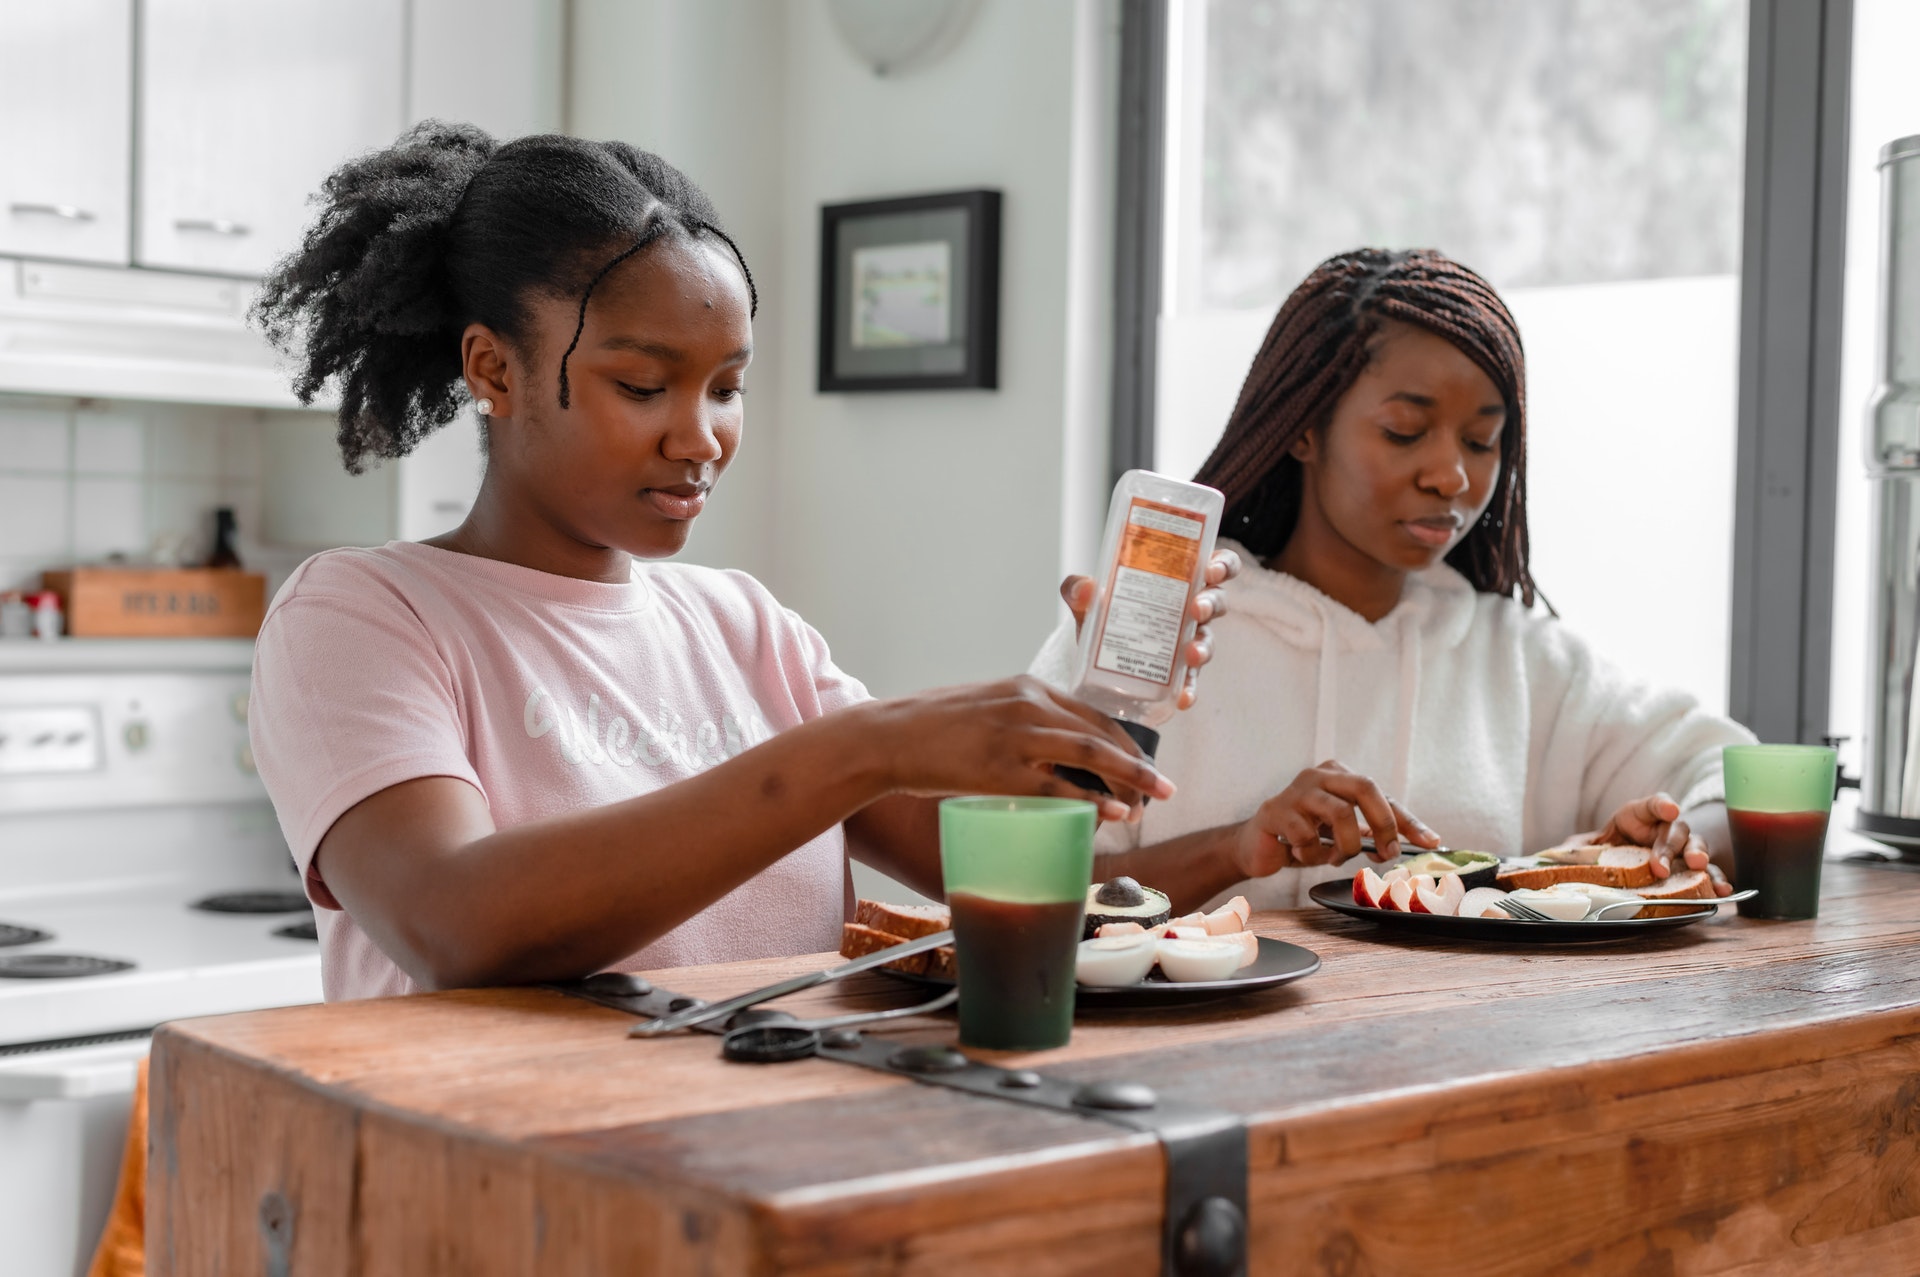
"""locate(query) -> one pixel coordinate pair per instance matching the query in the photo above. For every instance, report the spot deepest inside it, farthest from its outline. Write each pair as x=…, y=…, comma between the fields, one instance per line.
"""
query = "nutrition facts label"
x=1159, y=554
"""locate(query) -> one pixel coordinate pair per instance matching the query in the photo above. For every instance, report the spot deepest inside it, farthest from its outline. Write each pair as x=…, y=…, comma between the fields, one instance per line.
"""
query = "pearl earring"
x=484, y=407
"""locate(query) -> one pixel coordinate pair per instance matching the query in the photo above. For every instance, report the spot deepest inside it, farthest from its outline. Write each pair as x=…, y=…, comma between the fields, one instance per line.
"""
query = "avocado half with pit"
x=1474, y=868
x=1124, y=900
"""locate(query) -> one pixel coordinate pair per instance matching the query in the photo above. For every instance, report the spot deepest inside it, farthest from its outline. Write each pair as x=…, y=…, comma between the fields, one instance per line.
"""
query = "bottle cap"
x=1145, y=737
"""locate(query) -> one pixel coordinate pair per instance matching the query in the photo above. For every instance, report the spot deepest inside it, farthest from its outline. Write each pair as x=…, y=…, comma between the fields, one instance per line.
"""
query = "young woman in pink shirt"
x=527, y=749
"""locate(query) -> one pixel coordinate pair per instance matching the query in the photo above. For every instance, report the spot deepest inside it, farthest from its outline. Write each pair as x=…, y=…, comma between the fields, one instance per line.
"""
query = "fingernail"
x=1391, y=846
x=1111, y=810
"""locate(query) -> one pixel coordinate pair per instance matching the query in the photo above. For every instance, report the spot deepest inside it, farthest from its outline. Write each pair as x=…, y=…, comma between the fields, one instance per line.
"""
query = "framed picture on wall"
x=910, y=293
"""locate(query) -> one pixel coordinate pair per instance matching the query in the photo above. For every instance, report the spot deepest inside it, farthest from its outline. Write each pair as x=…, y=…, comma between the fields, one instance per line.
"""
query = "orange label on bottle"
x=1147, y=594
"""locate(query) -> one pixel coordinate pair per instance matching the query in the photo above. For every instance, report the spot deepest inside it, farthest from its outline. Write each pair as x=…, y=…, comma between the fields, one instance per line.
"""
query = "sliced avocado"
x=1474, y=868
x=1146, y=906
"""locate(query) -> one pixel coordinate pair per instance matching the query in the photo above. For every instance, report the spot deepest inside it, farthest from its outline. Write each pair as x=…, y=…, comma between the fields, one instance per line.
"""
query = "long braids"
x=1315, y=350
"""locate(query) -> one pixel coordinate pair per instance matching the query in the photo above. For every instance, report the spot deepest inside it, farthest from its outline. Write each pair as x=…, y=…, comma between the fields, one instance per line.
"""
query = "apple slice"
x=1369, y=889
x=1400, y=895
x=1453, y=892
x=1425, y=901
x=1395, y=874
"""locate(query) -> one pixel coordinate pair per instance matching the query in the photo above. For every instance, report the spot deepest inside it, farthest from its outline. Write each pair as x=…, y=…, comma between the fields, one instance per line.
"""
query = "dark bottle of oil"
x=224, y=555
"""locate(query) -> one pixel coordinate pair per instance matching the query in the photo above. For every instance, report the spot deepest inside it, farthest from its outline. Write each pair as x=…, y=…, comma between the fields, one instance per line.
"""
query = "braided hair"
x=448, y=227
x=1318, y=345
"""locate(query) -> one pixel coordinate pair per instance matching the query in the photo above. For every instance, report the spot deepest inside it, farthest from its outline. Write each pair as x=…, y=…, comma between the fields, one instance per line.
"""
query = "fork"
x=1714, y=903
x=1522, y=911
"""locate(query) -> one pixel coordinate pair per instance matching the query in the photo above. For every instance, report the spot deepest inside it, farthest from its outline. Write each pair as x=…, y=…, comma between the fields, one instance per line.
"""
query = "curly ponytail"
x=447, y=228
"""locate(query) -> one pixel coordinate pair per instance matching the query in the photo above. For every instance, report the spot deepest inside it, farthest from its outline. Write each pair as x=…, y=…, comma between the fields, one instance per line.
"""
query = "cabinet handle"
x=211, y=225
x=65, y=212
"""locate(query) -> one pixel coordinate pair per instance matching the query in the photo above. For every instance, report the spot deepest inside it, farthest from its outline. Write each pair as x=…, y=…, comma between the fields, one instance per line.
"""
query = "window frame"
x=1793, y=249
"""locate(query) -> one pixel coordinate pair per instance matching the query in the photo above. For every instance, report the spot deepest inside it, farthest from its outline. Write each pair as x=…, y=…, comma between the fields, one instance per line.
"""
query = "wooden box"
x=161, y=602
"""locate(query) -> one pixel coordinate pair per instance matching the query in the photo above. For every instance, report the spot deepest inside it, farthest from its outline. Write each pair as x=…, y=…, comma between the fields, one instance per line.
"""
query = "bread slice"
x=1627, y=867
x=858, y=940
x=909, y=922
x=1687, y=884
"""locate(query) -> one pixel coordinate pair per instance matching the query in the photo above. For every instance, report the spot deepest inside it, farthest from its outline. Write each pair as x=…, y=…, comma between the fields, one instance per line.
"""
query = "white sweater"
x=1499, y=728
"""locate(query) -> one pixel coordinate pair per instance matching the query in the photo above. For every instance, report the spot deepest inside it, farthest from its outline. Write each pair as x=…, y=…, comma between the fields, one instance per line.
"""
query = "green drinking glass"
x=1778, y=801
x=1016, y=872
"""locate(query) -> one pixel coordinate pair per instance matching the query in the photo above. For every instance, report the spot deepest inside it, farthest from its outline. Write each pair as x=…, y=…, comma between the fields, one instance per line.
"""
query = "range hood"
x=129, y=333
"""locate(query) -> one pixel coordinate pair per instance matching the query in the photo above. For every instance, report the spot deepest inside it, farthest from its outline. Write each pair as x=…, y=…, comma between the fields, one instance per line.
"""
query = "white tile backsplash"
x=37, y=440
x=109, y=517
x=20, y=574
x=33, y=517
x=185, y=443
x=109, y=443
x=81, y=480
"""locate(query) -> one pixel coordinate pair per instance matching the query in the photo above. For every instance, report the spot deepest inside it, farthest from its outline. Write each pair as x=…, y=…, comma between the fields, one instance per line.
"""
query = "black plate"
x=1278, y=963
x=1338, y=896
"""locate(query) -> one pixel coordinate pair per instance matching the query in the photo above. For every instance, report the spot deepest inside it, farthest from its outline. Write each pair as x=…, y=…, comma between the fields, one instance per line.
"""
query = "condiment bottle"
x=1154, y=555
x=48, y=619
x=224, y=555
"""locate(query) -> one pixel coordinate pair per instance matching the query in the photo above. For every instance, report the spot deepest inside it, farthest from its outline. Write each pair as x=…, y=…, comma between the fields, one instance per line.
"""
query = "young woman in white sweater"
x=1381, y=654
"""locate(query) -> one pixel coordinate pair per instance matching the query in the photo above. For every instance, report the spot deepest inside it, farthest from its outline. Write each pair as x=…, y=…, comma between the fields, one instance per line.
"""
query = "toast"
x=861, y=936
x=1687, y=884
x=1627, y=867
x=857, y=941
x=909, y=922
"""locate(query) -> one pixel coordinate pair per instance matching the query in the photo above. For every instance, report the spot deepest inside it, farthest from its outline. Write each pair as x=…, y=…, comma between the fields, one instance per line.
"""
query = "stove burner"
x=12, y=935
x=253, y=902
x=308, y=930
x=56, y=966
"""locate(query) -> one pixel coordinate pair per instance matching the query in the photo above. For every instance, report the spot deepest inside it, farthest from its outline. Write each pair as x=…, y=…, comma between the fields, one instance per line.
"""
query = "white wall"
x=923, y=533
x=703, y=83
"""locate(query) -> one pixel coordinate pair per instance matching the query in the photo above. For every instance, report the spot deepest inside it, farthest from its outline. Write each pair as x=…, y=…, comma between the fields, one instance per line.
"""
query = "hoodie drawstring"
x=1327, y=701
x=1409, y=691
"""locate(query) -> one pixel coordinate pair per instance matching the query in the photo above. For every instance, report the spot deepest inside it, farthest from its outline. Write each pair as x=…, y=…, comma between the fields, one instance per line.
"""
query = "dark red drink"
x=1016, y=971
x=1777, y=853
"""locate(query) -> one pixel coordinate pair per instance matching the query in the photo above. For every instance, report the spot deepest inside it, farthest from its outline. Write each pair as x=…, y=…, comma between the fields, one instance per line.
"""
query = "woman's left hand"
x=1655, y=823
x=1209, y=603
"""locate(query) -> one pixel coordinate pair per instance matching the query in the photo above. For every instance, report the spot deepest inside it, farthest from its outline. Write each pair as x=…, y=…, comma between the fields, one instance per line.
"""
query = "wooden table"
x=1732, y=1097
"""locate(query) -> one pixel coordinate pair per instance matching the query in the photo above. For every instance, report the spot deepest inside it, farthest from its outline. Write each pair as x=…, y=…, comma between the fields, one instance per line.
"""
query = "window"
x=1586, y=157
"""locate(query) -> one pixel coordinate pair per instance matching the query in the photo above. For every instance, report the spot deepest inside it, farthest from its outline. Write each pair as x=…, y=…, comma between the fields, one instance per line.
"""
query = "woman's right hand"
x=1006, y=738
x=1079, y=592
x=1325, y=799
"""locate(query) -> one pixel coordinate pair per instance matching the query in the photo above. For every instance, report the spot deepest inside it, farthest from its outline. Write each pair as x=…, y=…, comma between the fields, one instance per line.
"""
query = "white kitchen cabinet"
x=244, y=109
x=66, y=77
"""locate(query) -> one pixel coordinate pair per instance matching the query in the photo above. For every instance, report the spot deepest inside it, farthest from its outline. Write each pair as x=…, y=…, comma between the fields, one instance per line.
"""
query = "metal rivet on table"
x=840, y=1039
x=769, y=1044
x=927, y=1059
x=1120, y=1096
x=1212, y=1239
x=1020, y=1080
x=758, y=1015
x=620, y=983
x=681, y=1004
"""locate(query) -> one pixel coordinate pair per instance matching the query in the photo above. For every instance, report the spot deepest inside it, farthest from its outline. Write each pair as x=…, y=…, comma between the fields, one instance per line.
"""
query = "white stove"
x=127, y=796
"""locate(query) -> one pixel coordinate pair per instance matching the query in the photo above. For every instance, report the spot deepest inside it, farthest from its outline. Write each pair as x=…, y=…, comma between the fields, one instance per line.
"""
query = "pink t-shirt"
x=547, y=694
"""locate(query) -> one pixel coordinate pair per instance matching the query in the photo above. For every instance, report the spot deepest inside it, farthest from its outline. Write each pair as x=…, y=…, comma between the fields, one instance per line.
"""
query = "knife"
x=714, y=1010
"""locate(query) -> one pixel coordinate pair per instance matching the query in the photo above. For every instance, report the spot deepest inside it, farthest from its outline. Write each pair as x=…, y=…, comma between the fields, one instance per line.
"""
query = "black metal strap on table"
x=1204, y=1229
